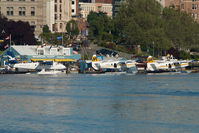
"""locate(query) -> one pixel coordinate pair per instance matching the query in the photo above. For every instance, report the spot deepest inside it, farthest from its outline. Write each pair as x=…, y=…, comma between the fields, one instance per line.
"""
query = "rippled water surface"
x=159, y=103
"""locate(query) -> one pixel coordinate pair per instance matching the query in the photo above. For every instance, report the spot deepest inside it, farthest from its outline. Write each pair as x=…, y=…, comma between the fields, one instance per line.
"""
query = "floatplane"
x=167, y=64
x=116, y=65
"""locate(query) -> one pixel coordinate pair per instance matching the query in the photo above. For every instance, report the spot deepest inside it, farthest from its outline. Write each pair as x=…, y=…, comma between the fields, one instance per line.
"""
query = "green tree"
x=180, y=28
x=72, y=28
x=100, y=25
x=146, y=23
x=45, y=29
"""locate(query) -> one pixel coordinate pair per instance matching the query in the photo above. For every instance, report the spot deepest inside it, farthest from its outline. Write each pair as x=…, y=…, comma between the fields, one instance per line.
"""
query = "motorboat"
x=48, y=72
x=50, y=65
x=40, y=67
x=29, y=66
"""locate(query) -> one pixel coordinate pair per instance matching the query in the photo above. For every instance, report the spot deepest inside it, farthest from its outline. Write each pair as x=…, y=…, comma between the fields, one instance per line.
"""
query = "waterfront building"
x=54, y=13
x=86, y=8
x=25, y=53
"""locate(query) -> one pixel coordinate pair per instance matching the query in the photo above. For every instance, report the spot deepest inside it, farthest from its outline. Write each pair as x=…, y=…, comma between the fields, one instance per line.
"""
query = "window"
x=60, y=1
x=55, y=1
x=32, y=25
x=40, y=51
x=55, y=16
x=73, y=10
x=60, y=26
x=60, y=8
x=32, y=11
x=22, y=0
x=195, y=16
x=73, y=2
x=193, y=6
x=10, y=11
x=99, y=8
x=60, y=16
x=53, y=51
x=22, y=11
x=9, y=0
x=55, y=8
x=66, y=51
x=33, y=0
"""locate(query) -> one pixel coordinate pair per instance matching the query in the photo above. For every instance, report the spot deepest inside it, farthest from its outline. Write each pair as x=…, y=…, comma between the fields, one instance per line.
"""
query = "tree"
x=20, y=32
x=180, y=28
x=146, y=23
x=72, y=28
x=45, y=29
x=99, y=26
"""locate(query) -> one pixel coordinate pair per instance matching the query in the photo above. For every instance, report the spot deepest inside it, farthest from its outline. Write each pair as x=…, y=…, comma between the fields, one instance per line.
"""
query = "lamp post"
x=153, y=48
x=63, y=25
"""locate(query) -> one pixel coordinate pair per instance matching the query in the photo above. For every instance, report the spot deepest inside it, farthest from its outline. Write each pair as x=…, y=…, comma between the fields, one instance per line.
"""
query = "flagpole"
x=10, y=42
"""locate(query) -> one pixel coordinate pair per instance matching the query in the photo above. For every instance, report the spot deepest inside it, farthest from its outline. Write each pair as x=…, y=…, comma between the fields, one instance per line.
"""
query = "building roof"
x=25, y=50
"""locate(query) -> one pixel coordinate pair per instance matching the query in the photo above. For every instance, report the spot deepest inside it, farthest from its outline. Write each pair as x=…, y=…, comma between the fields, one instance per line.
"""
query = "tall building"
x=54, y=13
x=36, y=12
x=189, y=6
x=62, y=14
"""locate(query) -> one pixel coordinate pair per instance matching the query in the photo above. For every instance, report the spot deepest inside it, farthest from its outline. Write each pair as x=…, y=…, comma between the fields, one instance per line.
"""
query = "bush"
x=184, y=55
x=110, y=45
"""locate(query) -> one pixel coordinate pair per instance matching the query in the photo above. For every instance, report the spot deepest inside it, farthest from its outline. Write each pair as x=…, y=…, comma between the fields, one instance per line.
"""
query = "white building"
x=86, y=8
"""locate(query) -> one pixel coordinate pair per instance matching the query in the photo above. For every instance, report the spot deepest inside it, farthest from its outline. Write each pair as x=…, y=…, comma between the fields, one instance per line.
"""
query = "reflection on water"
x=158, y=103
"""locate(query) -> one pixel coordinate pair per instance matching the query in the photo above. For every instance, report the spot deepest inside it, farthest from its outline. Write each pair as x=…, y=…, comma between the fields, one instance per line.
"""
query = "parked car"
x=106, y=52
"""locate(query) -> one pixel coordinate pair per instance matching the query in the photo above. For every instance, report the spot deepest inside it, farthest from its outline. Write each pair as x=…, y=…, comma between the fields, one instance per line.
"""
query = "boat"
x=29, y=66
x=50, y=65
x=47, y=72
x=40, y=67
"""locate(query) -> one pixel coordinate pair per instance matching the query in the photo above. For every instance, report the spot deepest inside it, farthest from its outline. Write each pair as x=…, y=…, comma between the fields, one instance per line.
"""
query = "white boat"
x=29, y=66
x=44, y=67
x=50, y=65
x=47, y=72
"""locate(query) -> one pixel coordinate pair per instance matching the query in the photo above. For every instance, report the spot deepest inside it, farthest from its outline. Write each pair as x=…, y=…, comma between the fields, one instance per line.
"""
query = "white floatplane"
x=114, y=65
x=166, y=64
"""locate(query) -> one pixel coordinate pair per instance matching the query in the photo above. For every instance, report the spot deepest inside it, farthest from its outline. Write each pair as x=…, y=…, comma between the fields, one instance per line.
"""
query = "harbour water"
x=103, y=103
